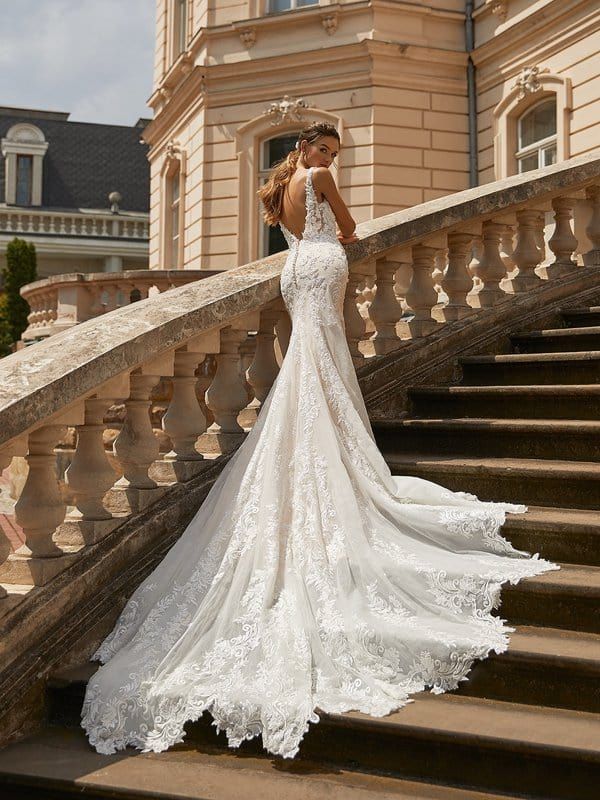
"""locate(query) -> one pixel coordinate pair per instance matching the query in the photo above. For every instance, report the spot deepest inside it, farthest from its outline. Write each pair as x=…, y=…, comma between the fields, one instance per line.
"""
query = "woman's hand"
x=347, y=239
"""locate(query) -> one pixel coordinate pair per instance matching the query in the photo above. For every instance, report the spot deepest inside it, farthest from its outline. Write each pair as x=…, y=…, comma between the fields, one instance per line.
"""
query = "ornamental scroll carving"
x=286, y=110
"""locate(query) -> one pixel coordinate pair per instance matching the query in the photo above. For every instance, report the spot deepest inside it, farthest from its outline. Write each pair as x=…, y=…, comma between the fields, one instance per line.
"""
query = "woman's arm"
x=323, y=181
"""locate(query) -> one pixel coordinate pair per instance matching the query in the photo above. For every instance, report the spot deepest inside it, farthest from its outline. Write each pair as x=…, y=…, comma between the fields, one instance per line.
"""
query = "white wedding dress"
x=310, y=578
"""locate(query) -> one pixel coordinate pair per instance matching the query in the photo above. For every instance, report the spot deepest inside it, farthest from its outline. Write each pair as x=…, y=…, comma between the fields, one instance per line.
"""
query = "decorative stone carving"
x=286, y=110
x=529, y=82
x=499, y=8
x=248, y=37
x=330, y=23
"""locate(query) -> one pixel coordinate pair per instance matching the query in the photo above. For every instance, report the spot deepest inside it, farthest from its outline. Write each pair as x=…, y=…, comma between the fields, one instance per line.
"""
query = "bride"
x=310, y=578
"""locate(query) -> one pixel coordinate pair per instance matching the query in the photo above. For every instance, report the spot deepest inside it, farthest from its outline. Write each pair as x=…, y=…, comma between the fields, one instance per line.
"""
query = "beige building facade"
x=428, y=97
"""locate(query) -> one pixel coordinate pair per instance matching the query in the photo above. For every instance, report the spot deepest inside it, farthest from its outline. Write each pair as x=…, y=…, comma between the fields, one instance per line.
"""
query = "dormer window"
x=23, y=148
x=24, y=180
x=273, y=6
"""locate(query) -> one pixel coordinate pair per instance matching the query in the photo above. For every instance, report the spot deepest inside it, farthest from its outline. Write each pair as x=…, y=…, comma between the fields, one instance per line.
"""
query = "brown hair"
x=271, y=193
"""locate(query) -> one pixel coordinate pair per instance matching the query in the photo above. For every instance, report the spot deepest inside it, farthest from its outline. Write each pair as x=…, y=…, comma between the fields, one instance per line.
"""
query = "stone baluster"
x=17, y=447
x=90, y=475
x=440, y=265
x=136, y=447
x=507, y=247
x=540, y=238
x=355, y=323
x=563, y=241
x=283, y=331
x=491, y=269
x=526, y=255
x=592, y=257
x=421, y=297
x=184, y=421
x=227, y=396
x=476, y=254
x=264, y=368
x=457, y=282
x=41, y=508
x=385, y=311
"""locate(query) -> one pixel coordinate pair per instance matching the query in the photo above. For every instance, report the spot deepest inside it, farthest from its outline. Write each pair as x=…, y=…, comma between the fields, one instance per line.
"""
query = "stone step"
x=556, y=340
x=542, y=666
x=576, y=317
x=535, y=482
x=546, y=401
x=59, y=763
x=558, y=534
x=573, y=440
x=470, y=742
x=531, y=368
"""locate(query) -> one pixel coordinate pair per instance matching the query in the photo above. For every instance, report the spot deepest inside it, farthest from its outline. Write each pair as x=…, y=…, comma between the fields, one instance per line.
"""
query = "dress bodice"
x=320, y=222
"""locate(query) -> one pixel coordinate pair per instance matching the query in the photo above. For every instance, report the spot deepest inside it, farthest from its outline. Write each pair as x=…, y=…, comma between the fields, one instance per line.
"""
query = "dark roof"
x=85, y=161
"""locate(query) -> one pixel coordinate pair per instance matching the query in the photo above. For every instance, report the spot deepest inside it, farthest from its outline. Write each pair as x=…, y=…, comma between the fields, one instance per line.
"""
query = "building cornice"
x=514, y=34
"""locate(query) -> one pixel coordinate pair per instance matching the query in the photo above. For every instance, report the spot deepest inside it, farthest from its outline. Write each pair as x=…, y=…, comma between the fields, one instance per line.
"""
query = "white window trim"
x=514, y=105
x=23, y=139
x=173, y=32
x=293, y=7
x=249, y=138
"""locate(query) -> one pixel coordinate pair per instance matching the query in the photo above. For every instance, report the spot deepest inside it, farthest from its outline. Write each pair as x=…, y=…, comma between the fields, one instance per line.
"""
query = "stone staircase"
x=522, y=427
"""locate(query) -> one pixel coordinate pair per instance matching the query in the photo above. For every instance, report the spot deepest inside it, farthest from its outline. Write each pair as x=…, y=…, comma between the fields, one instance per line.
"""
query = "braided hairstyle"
x=271, y=193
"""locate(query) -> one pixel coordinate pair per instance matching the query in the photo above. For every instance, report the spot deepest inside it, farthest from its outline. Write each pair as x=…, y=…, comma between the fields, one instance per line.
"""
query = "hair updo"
x=271, y=193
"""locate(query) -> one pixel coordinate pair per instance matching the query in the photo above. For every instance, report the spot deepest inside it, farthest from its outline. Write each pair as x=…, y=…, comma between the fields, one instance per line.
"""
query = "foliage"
x=21, y=268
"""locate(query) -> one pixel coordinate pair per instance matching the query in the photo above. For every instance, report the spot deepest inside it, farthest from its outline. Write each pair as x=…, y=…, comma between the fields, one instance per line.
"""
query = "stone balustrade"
x=99, y=224
x=467, y=254
x=62, y=301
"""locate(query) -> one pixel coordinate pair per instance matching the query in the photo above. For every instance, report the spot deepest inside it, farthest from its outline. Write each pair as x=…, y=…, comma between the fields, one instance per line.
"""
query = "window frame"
x=293, y=7
x=539, y=146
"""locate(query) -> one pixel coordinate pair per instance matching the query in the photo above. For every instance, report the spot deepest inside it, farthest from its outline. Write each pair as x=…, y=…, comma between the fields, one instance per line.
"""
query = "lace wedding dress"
x=310, y=578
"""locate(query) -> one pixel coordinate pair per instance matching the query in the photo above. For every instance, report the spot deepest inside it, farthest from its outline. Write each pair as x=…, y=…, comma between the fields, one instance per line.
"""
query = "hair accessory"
x=297, y=145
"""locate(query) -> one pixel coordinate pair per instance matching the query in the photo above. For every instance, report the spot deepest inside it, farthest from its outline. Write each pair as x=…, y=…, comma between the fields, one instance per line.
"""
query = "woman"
x=310, y=578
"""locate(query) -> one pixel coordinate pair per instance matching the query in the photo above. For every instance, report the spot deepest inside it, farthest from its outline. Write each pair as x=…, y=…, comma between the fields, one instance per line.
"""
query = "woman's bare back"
x=293, y=210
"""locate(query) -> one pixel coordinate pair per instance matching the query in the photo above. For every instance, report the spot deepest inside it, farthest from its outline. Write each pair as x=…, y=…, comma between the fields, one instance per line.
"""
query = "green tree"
x=5, y=334
x=21, y=268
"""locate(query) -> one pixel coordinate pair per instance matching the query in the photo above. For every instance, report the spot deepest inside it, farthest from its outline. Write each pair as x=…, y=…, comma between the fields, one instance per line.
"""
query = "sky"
x=93, y=58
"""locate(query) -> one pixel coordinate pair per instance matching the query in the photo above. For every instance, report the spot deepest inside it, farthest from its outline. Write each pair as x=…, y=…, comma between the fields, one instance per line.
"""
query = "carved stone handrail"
x=61, y=301
x=216, y=341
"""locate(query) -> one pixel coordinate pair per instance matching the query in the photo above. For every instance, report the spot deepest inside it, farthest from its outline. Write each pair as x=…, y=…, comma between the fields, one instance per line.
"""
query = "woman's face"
x=322, y=152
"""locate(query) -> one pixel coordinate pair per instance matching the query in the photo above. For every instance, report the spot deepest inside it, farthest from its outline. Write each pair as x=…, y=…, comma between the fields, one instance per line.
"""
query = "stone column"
x=527, y=254
x=136, y=447
x=264, y=368
x=457, y=281
x=355, y=324
x=491, y=269
x=563, y=242
x=385, y=310
x=421, y=297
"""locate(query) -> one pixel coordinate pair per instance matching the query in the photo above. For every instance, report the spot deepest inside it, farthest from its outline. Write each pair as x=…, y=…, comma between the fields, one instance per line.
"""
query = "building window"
x=180, y=13
x=273, y=6
x=174, y=214
x=271, y=151
x=24, y=180
x=537, y=137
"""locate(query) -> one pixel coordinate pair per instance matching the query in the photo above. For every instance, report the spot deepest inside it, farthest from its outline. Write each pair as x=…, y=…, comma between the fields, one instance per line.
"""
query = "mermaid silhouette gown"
x=310, y=578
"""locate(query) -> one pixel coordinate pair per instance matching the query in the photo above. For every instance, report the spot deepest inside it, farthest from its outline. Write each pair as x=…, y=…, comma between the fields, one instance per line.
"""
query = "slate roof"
x=85, y=161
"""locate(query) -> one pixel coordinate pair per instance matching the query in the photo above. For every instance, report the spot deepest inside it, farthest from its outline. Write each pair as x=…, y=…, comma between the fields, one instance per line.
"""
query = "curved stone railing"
x=59, y=302
x=238, y=320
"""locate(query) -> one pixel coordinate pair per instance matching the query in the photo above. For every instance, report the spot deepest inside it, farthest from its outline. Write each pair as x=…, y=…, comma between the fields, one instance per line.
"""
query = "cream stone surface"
x=390, y=76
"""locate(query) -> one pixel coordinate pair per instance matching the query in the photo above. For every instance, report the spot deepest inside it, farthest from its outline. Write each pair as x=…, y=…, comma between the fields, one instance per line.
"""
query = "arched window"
x=536, y=136
x=272, y=150
x=273, y=6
